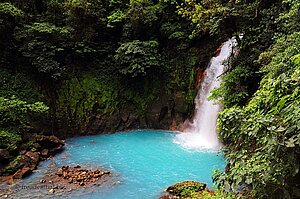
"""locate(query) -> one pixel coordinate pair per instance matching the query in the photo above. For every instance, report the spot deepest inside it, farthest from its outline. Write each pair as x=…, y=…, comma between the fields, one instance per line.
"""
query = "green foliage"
x=141, y=97
x=180, y=59
x=143, y=12
x=9, y=15
x=242, y=76
x=45, y=55
x=47, y=28
x=16, y=114
x=70, y=49
x=10, y=140
x=18, y=85
x=290, y=19
x=89, y=7
x=19, y=109
x=16, y=161
x=80, y=99
x=233, y=89
x=9, y=9
x=57, y=42
x=13, y=165
x=197, y=190
x=208, y=16
x=116, y=17
x=182, y=78
x=261, y=131
x=175, y=31
x=218, y=194
x=264, y=136
x=137, y=57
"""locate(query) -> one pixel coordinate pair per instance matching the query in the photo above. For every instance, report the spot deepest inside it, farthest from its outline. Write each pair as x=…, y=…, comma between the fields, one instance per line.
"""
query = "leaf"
x=238, y=180
x=280, y=129
x=226, y=186
x=281, y=103
x=248, y=180
x=291, y=142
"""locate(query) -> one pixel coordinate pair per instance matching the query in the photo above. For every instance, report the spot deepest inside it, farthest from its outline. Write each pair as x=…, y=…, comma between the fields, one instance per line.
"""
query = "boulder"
x=51, y=143
x=22, y=173
x=45, y=152
x=34, y=156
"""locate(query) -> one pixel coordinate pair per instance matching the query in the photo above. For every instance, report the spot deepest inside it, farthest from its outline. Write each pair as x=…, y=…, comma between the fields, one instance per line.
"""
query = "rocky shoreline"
x=39, y=148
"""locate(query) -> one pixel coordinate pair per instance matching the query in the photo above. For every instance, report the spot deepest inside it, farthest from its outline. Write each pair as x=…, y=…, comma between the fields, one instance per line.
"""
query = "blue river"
x=144, y=163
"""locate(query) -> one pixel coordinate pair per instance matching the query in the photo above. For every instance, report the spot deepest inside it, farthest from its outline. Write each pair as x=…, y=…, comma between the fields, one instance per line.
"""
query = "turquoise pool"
x=145, y=162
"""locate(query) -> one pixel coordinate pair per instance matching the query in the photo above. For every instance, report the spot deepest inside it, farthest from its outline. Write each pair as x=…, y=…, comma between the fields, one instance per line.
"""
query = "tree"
x=135, y=58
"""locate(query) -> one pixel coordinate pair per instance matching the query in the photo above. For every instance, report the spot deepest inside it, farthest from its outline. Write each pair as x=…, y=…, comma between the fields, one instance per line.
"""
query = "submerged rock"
x=80, y=176
x=52, y=191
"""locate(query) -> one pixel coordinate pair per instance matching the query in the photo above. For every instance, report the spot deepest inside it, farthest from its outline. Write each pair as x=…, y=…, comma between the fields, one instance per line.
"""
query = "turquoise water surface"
x=144, y=161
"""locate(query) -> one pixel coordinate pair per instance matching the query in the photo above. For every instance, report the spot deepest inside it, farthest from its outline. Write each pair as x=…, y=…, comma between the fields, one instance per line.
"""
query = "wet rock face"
x=80, y=176
x=162, y=113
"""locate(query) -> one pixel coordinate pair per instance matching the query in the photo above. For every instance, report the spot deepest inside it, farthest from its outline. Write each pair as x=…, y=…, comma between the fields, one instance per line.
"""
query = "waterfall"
x=201, y=132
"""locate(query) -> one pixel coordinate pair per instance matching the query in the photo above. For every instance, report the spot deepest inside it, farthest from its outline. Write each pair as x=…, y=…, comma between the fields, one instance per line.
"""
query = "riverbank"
x=25, y=161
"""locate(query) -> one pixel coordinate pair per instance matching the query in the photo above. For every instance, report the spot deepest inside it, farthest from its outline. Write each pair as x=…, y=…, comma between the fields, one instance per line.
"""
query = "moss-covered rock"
x=186, y=189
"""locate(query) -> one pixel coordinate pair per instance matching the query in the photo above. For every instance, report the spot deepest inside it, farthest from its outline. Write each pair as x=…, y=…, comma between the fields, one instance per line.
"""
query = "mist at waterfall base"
x=201, y=131
x=144, y=161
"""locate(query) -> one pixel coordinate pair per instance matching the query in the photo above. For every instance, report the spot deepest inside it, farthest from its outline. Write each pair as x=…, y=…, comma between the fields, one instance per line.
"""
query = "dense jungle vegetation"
x=67, y=63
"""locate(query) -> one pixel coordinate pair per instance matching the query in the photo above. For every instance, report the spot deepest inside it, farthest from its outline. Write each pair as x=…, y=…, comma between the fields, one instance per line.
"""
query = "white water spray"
x=201, y=133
